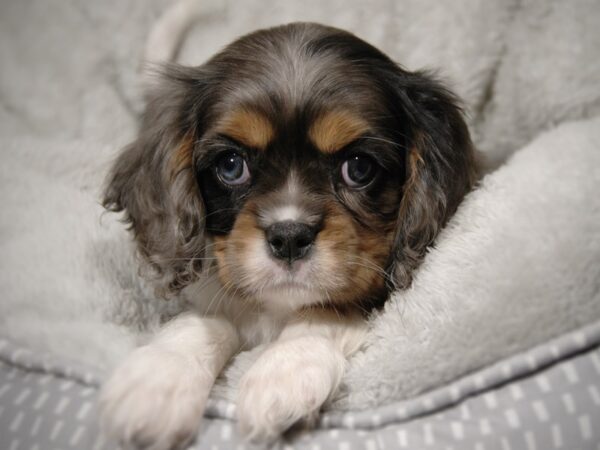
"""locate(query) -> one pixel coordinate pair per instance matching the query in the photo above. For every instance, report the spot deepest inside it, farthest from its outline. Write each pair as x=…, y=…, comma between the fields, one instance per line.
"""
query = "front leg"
x=156, y=398
x=296, y=375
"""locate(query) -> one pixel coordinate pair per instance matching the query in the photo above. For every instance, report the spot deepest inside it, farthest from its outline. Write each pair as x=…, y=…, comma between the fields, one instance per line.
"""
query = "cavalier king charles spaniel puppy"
x=284, y=188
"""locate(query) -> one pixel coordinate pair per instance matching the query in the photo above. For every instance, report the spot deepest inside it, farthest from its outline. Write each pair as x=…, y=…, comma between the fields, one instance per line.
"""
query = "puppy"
x=283, y=188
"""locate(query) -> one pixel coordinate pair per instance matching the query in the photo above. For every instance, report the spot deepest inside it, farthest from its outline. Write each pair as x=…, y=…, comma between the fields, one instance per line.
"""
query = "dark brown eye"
x=358, y=171
x=232, y=169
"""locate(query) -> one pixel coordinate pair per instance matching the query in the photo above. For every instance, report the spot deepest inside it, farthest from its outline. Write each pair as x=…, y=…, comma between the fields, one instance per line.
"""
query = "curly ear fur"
x=153, y=182
x=441, y=169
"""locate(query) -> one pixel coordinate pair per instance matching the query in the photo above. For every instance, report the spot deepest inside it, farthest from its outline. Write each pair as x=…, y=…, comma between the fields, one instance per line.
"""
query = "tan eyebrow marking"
x=336, y=129
x=248, y=127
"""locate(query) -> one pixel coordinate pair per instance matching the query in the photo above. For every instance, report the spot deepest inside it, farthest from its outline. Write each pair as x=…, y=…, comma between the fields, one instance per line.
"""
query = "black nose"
x=290, y=240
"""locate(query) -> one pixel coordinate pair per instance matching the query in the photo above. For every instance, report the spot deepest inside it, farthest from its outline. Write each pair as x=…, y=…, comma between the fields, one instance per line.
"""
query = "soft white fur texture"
x=156, y=398
x=517, y=265
x=294, y=376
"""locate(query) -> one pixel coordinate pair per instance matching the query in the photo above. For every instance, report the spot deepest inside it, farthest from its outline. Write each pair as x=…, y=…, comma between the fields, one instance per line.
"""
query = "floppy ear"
x=153, y=181
x=440, y=166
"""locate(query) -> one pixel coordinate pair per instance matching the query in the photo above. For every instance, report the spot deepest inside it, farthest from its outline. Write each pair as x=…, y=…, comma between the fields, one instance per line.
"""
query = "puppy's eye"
x=358, y=171
x=232, y=169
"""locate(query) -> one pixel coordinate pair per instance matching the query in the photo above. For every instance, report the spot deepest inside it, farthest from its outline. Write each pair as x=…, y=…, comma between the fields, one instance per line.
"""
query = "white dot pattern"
x=44, y=404
x=512, y=418
x=516, y=392
x=540, y=410
x=557, y=436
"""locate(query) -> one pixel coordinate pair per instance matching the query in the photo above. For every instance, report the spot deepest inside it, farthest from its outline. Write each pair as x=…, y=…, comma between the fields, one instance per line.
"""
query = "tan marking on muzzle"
x=356, y=254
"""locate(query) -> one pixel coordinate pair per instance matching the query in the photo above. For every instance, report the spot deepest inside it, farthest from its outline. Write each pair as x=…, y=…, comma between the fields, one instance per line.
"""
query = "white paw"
x=154, y=400
x=288, y=383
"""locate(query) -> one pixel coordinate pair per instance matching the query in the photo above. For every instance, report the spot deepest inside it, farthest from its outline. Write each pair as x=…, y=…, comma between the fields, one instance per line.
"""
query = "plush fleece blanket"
x=517, y=265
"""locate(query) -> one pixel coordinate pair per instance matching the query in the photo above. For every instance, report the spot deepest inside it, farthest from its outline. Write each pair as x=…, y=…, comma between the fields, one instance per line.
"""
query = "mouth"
x=291, y=278
x=292, y=269
x=294, y=274
x=291, y=285
x=289, y=295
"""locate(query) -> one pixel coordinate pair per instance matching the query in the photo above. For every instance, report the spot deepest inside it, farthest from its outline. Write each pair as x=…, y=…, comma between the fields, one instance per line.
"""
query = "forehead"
x=296, y=81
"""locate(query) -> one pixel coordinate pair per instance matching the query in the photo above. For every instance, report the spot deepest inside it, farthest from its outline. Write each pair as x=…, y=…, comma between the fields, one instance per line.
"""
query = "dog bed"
x=494, y=346
x=547, y=397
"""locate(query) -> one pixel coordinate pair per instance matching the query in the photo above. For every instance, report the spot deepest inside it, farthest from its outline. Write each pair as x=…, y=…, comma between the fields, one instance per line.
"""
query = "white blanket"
x=519, y=263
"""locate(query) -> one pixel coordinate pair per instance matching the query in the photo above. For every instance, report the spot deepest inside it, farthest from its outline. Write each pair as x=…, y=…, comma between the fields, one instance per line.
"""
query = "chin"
x=306, y=172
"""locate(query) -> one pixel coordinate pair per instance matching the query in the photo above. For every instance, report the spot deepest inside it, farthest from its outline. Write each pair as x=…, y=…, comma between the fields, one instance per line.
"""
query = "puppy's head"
x=315, y=169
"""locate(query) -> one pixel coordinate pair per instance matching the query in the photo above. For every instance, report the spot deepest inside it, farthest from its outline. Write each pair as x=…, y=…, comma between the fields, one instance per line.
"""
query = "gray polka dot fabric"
x=546, y=398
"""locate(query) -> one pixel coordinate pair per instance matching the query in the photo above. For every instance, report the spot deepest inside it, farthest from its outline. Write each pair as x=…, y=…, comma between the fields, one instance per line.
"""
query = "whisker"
x=191, y=258
x=378, y=139
x=212, y=300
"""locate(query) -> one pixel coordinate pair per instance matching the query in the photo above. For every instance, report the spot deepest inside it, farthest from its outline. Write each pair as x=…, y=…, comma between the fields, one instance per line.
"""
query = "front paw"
x=288, y=383
x=154, y=400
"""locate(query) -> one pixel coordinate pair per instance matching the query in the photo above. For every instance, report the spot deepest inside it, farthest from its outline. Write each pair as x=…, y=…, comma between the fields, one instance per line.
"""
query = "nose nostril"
x=303, y=242
x=276, y=242
x=290, y=240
